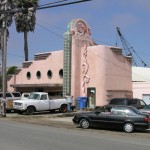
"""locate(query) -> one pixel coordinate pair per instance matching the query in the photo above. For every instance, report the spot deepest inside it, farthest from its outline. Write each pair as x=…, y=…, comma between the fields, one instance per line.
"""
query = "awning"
x=35, y=85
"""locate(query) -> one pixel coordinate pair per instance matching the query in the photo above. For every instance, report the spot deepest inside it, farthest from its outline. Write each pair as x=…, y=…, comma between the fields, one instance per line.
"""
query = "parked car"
x=10, y=97
x=25, y=96
x=127, y=118
x=146, y=109
x=138, y=103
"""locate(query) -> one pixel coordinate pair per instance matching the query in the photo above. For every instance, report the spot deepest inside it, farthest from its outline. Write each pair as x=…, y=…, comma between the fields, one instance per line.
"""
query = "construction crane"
x=128, y=49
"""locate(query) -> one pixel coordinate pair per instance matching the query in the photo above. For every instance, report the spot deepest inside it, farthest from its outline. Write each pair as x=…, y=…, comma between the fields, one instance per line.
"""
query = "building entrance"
x=91, y=95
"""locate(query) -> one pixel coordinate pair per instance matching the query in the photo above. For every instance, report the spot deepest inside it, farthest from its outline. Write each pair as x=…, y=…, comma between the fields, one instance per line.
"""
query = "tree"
x=25, y=21
x=11, y=70
x=2, y=17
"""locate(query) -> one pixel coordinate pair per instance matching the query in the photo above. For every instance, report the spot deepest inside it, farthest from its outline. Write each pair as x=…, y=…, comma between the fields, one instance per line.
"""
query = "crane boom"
x=124, y=43
x=128, y=50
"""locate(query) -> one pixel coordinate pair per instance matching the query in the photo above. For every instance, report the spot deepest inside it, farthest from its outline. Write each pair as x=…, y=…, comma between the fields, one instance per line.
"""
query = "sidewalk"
x=45, y=118
x=62, y=119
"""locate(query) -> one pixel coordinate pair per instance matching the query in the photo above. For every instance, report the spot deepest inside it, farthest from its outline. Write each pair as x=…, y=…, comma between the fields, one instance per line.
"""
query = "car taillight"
x=147, y=119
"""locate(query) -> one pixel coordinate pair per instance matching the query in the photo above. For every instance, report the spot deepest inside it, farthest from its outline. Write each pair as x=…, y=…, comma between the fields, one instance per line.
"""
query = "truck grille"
x=17, y=104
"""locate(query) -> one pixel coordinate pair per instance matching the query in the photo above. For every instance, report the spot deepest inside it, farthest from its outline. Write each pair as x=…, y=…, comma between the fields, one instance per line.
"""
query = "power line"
x=53, y=25
x=17, y=10
x=52, y=3
x=49, y=30
x=70, y=3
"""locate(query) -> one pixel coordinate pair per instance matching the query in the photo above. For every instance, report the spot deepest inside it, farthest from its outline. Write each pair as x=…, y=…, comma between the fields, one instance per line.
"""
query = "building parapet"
x=17, y=70
x=129, y=58
x=117, y=50
x=9, y=77
x=27, y=64
x=41, y=56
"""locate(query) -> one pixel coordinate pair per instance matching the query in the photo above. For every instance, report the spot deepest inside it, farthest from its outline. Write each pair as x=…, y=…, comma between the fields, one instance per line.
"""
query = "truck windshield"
x=34, y=96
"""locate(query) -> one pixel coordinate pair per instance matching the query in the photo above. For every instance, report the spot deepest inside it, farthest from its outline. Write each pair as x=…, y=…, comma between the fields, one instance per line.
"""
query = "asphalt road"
x=23, y=136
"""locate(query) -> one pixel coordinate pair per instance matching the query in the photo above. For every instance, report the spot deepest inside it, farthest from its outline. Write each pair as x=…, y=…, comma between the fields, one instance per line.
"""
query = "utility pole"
x=4, y=53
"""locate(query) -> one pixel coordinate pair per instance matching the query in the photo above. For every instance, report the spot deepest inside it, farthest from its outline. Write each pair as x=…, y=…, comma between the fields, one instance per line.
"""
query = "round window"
x=61, y=73
x=28, y=75
x=38, y=74
x=49, y=74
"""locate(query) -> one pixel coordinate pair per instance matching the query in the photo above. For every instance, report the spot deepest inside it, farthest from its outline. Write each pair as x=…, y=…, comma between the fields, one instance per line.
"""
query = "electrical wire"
x=58, y=5
x=53, y=25
x=41, y=7
x=52, y=3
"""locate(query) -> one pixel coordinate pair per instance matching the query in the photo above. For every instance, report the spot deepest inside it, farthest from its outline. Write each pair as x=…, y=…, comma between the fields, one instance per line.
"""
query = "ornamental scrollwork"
x=85, y=67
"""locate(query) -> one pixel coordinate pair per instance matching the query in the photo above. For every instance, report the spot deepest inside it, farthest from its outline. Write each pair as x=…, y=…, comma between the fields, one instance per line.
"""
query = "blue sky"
x=103, y=16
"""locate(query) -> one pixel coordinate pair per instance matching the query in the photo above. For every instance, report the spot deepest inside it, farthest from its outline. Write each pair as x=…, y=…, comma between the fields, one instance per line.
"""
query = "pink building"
x=83, y=68
x=141, y=83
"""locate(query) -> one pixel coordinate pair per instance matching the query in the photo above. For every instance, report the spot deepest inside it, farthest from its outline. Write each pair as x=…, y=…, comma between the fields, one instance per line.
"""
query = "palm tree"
x=25, y=20
x=9, y=17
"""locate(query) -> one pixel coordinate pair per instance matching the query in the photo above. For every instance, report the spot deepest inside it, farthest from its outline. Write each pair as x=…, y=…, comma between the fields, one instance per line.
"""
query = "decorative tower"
x=76, y=40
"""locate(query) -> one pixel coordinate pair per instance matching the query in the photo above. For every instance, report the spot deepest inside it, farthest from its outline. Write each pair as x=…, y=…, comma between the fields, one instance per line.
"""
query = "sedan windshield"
x=34, y=96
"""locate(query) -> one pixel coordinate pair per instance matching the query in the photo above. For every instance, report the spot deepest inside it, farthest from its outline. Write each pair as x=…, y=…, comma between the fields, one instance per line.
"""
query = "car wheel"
x=128, y=127
x=63, y=108
x=30, y=110
x=84, y=123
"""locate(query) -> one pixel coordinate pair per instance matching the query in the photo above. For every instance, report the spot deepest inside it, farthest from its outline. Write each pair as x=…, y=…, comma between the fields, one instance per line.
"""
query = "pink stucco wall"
x=97, y=66
x=109, y=72
x=54, y=62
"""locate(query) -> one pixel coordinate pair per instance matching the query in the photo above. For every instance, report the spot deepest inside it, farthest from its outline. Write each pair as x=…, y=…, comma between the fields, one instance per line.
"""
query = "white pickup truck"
x=39, y=101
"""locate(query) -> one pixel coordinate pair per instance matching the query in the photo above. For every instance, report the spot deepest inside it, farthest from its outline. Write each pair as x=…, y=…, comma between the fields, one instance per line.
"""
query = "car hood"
x=24, y=101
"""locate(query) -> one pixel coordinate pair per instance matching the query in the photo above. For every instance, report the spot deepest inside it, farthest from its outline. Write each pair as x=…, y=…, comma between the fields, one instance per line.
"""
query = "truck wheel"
x=30, y=110
x=63, y=108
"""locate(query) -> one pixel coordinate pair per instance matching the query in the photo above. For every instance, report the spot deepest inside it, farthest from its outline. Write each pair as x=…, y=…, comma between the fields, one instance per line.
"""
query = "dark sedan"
x=126, y=117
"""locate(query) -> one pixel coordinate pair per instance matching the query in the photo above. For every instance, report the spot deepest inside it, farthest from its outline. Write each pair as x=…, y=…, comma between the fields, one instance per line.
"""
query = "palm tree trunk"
x=26, y=45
